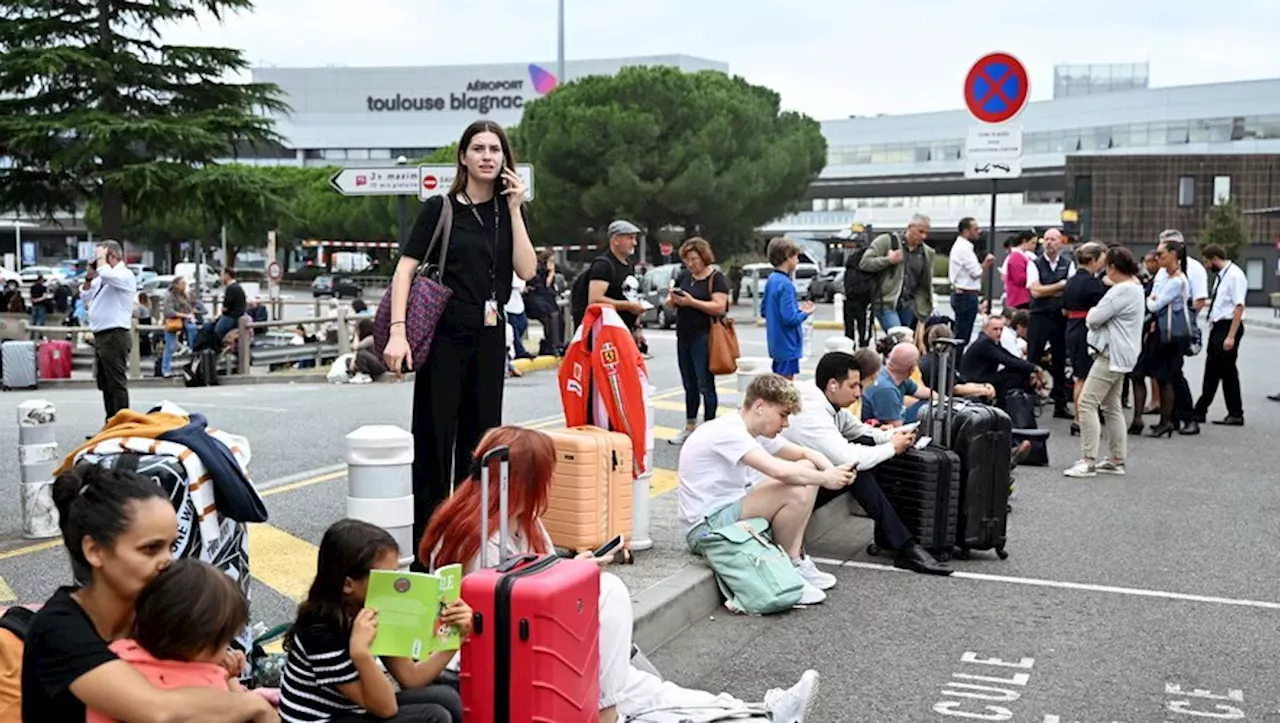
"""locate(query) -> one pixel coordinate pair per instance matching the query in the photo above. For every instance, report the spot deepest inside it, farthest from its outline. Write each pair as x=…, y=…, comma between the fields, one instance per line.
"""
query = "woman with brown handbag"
x=461, y=357
x=700, y=296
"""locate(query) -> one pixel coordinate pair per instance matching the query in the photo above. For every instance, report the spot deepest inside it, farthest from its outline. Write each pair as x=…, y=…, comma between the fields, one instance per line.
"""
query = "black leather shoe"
x=1230, y=422
x=916, y=559
x=1189, y=428
x=1063, y=413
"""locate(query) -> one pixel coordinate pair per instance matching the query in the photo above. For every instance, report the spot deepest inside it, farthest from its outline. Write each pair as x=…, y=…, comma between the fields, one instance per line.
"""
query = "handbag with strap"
x=754, y=574
x=174, y=324
x=427, y=297
x=722, y=345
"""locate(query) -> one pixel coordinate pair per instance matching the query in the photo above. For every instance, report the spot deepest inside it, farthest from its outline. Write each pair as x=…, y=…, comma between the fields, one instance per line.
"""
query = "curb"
x=670, y=607
x=825, y=325
x=537, y=363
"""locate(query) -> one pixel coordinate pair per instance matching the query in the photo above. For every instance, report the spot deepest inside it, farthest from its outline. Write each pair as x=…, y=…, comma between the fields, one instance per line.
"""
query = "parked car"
x=804, y=275
x=29, y=274
x=144, y=273
x=336, y=286
x=653, y=288
x=747, y=271
x=829, y=283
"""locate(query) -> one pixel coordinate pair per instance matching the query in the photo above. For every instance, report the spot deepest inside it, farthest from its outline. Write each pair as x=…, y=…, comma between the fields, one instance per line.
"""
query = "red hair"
x=455, y=526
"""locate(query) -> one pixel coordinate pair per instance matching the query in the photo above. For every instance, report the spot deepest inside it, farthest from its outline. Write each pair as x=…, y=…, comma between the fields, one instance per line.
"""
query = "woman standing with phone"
x=458, y=394
x=699, y=294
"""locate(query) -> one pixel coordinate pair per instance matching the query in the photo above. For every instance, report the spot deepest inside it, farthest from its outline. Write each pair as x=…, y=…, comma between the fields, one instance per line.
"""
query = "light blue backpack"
x=755, y=575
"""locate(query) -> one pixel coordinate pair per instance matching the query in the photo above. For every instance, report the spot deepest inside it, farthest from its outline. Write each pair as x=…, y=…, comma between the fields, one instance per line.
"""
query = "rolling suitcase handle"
x=503, y=453
x=944, y=380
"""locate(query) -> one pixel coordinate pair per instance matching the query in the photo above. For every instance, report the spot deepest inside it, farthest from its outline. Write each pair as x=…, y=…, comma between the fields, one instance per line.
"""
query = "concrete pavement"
x=1092, y=562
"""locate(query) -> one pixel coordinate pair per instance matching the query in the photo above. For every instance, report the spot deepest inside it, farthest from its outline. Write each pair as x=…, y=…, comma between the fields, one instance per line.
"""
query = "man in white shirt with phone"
x=825, y=425
x=111, y=288
x=737, y=467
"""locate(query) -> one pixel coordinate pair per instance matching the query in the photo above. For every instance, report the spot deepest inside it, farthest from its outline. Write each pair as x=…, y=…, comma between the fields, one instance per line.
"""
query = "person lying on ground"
x=626, y=692
x=737, y=467
x=826, y=426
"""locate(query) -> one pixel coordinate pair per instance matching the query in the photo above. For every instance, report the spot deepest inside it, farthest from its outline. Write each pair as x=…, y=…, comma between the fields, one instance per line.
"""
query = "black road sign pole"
x=991, y=245
x=402, y=213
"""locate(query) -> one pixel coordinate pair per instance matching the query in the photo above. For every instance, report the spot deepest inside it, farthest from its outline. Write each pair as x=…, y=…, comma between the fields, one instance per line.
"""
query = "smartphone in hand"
x=608, y=547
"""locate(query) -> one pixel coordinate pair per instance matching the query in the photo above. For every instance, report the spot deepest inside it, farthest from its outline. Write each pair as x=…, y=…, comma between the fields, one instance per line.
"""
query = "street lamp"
x=402, y=211
x=560, y=79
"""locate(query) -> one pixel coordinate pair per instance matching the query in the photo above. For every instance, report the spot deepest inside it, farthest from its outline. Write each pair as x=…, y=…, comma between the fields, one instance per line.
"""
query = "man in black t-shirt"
x=234, y=305
x=39, y=302
x=611, y=278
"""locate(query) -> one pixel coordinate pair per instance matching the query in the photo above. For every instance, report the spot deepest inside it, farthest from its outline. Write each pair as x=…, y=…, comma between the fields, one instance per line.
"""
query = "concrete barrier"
x=380, y=482
x=37, y=458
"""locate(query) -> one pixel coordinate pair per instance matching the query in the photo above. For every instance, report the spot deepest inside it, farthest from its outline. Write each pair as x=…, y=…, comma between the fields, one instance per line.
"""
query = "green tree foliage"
x=704, y=151
x=94, y=106
x=1226, y=227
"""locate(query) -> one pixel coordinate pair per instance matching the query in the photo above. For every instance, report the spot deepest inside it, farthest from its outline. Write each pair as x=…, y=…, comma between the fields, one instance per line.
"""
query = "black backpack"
x=859, y=284
x=578, y=296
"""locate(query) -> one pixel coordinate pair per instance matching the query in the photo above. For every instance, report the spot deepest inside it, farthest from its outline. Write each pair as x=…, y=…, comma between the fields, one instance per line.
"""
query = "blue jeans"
x=888, y=319
x=694, y=356
x=170, y=341
x=223, y=326
x=39, y=315
x=519, y=325
x=965, y=307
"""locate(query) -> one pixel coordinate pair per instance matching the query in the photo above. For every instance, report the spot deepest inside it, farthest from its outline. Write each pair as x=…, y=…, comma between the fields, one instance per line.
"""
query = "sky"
x=826, y=58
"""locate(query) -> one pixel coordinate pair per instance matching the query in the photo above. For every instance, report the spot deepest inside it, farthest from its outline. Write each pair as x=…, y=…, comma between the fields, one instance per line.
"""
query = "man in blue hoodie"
x=784, y=317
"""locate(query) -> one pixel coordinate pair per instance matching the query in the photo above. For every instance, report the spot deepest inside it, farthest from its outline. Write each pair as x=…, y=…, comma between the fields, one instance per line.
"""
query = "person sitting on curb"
x=719, y=484
x=826, y=426
x=886, y=400
x=628, y=692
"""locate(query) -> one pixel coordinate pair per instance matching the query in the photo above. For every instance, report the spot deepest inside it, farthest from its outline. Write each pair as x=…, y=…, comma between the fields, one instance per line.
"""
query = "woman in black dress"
x=1082, y=293
x=458, y=396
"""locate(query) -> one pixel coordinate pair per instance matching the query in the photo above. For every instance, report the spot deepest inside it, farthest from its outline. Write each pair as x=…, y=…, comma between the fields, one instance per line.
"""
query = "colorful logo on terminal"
x=543, y=81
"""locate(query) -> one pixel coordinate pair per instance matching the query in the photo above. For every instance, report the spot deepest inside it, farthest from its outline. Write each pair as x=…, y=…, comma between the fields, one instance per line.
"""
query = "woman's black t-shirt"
x=61, y=645
x=692, y=322
x=476, y=269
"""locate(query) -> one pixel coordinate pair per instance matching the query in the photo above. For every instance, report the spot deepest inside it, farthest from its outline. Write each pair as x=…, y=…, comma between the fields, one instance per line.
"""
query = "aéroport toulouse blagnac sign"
x=482, y=96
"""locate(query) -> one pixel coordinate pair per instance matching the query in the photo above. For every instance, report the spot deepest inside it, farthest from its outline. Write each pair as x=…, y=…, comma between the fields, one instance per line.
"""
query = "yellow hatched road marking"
x=673, y=406
x=6, y=592
x=285, y=563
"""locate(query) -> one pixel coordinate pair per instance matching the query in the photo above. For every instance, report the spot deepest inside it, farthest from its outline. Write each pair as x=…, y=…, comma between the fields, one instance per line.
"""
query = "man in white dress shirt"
x=1226, y=327
x=965, y=272
x=111, y=288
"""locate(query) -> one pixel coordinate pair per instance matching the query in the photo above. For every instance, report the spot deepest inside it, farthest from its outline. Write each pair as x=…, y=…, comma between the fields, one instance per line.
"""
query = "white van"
x=209, y=278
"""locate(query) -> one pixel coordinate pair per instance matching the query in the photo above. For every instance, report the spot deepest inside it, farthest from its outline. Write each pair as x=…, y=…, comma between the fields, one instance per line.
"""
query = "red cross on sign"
x=997, y=88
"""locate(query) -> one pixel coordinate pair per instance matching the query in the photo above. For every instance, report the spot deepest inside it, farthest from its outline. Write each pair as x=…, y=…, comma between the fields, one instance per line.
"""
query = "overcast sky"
x=827, y=58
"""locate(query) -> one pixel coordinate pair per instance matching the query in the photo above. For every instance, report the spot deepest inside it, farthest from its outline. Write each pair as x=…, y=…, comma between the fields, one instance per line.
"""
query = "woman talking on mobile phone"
x=458, y=394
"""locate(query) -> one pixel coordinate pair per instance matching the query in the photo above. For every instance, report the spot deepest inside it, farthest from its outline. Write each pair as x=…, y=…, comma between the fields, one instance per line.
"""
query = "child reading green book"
x=410, y=605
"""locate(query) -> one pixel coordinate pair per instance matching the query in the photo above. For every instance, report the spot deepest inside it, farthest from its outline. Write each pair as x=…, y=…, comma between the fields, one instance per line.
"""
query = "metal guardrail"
x=244, y=340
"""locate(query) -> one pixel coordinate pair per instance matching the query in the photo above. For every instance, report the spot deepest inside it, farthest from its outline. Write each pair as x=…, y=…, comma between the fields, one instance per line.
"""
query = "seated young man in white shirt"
x=825, y=425
x=719, y=484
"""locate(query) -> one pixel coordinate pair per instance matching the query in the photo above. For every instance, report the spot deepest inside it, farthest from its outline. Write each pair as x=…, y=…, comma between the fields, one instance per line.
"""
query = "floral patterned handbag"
x=427, y=298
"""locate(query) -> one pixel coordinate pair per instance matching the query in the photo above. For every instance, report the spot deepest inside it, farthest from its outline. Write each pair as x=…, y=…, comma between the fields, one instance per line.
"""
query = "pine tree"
x=1226, y=227
x=93, y=105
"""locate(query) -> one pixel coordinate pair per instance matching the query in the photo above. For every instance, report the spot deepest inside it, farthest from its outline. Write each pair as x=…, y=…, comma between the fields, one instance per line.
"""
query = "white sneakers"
x=680, y=436
x=1083, y=469
x=815, y=581
x=795, y=703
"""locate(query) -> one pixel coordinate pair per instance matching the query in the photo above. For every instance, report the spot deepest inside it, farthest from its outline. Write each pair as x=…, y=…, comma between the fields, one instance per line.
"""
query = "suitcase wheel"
x=1000, y=553
x=873, y=549
x=960, y=553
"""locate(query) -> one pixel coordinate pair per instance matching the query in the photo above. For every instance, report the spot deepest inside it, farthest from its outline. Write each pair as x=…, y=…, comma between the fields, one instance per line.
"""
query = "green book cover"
x=447, y=636
x=408, y=605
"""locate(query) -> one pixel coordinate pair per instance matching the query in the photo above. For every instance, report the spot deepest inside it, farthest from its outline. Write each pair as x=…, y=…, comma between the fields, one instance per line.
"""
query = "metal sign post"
x=996, y=90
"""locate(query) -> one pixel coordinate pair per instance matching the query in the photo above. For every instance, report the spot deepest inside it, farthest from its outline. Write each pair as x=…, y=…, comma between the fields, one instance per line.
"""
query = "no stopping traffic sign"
x=997, y=88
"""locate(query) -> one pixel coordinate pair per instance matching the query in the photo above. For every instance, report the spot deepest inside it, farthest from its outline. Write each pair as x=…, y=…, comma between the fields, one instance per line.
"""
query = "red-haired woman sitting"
x=452, y=536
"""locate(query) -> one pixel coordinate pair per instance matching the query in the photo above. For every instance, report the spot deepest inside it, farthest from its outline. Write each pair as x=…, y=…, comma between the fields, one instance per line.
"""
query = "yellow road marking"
x=679, y=407
x=304, y=483
x=663, y=481
x=29, y=549
x=285, y=563
x=6, y=592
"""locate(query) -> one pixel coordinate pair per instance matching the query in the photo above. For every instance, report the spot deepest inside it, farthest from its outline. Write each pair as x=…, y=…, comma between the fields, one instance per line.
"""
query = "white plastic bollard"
x=640, y=539
x=808, y=338
x=837, y=304
x=839, y=343
x=380, y=482
x=37, y=458
x=748, y=369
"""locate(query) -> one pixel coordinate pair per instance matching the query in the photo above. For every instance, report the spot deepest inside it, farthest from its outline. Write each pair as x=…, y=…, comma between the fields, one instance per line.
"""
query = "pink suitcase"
x=533, y=655
x=55, y=359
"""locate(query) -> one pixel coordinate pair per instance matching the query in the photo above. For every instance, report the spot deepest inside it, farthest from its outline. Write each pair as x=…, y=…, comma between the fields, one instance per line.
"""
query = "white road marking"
x=185, y=403
x=1064, y=585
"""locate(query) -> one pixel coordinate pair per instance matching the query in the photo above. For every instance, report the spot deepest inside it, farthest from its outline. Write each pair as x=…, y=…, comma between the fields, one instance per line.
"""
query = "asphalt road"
x=1120, y=598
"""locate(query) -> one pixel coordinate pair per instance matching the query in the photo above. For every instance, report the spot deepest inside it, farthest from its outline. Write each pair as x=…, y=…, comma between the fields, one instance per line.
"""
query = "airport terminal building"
x=1130, y=159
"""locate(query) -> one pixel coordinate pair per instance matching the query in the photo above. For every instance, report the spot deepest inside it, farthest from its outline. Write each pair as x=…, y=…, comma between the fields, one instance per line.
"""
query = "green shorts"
x=726, y=515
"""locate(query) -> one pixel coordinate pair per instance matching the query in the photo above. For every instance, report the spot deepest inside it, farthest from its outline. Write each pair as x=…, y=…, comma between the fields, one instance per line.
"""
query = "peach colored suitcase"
x=590, y=499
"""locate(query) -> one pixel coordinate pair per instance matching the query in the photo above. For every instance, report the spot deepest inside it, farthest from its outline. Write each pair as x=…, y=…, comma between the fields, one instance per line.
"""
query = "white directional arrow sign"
x=1008, y=168
x=388, y=181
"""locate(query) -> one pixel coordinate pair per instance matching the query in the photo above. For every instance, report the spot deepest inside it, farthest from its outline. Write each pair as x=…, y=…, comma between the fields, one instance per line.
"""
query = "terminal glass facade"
x=1092, y=79
x=1130, y=135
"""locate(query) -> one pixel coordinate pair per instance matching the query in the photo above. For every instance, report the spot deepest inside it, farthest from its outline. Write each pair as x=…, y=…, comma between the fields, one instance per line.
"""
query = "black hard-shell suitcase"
x=923, y=484
x=982, y=436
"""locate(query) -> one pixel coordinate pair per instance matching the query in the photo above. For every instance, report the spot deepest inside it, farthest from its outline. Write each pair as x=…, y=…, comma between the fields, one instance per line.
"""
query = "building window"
x=357, y=154
x=1221, y=190
x=380, y=154
x=1253, y=271
x=1084, y=191
x=335, y=154
x=1186, y=191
